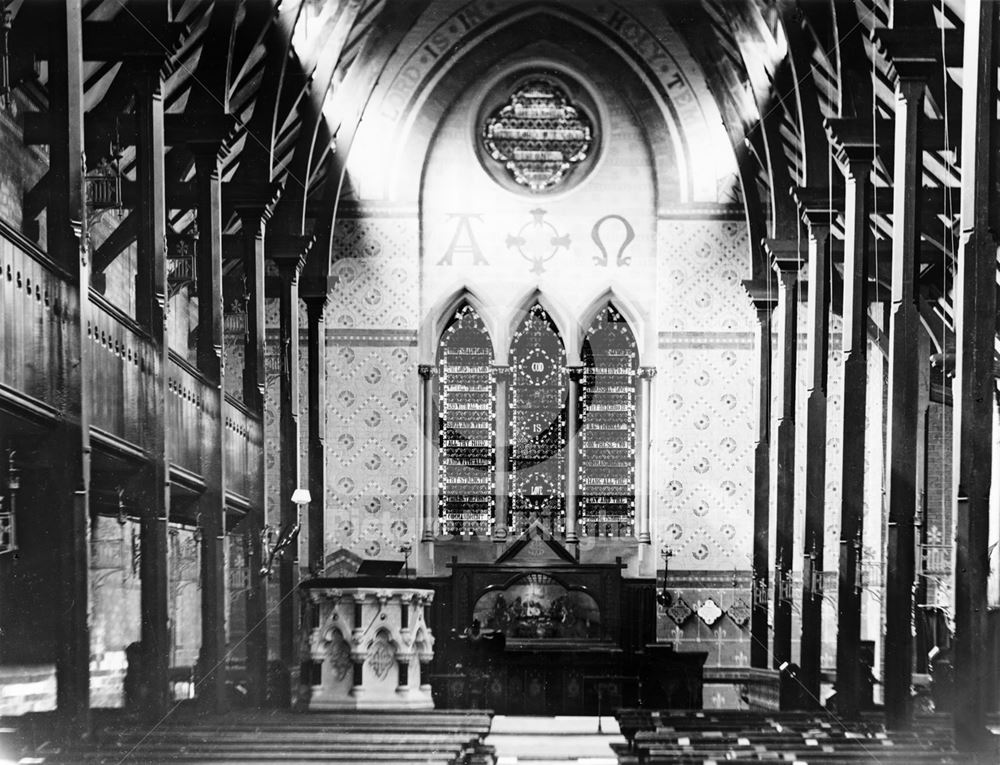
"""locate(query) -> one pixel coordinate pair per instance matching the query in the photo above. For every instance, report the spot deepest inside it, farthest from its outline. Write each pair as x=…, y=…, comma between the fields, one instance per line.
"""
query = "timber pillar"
x=212, y=502
x=786, y=262
x=853, y=148
x=764, y=299
x=289, y=254
x=817, y=215
x=70, y=489
x=909, y=75
x=254, y=214
x=151, y=305
x=315, y=297
x=975, y=331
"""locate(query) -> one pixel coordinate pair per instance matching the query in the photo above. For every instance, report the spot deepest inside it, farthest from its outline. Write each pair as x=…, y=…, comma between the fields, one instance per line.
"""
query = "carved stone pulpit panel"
x=368, y=645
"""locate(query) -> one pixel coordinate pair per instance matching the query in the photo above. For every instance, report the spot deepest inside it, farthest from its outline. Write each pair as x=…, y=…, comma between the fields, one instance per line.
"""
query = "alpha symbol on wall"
x=538, y=241
x=464, y=240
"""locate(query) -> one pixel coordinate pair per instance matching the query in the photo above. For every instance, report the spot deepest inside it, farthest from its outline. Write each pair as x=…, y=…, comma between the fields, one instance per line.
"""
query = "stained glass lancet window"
x=467, y=447
x=607, y=416
x=537, y=425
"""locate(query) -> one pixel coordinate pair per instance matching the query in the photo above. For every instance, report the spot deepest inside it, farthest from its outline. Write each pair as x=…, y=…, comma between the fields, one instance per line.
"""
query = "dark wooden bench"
x=439, y=737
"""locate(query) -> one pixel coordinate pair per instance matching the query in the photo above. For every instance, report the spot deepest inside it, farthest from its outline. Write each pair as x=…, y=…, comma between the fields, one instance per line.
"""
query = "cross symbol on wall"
x=538, y=241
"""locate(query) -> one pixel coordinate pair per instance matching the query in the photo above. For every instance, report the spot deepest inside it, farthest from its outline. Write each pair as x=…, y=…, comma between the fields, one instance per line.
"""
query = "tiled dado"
x=710, y=611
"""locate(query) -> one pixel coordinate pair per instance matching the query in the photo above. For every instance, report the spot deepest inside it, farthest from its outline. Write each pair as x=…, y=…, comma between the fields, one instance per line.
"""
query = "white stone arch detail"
x=565, y=326
x=436, y=320
x=332, y=626
x=638, y=321
x=397, y=650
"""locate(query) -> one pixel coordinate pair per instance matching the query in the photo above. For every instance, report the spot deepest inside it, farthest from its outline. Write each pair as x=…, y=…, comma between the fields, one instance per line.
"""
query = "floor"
x=554, y=740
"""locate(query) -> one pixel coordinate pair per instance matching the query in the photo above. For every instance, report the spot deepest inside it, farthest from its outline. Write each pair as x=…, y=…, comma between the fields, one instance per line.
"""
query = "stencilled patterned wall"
x=705, y=396
x=372, y=419
x=115, y=586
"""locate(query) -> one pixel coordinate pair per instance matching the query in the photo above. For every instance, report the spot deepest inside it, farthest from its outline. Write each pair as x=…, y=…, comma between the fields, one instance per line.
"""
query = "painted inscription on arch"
x=472, y=18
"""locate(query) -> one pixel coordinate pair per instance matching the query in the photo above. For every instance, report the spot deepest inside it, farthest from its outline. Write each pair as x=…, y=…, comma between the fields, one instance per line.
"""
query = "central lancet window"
x=537, y=425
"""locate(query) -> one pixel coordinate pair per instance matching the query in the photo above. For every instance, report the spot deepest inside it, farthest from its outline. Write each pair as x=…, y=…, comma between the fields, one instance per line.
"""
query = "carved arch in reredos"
x=538, y=605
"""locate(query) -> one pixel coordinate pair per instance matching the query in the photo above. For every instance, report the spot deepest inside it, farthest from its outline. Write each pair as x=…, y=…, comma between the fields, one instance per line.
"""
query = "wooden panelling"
x=191, y=409
x=124, y=365
x=37, y=309
x=39, y=306
x=244, y=440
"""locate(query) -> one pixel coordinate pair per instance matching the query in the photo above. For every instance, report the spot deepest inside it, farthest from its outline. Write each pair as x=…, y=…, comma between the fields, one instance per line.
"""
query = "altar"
x=537, y=632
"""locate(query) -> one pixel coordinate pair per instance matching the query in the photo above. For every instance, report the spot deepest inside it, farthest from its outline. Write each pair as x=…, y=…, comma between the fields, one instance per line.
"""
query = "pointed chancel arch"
x=536, y=428
x=467, y=434
x=607, y=437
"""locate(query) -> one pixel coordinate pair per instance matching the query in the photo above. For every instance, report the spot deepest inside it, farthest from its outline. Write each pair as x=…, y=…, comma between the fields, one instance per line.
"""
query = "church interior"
x=375, y=371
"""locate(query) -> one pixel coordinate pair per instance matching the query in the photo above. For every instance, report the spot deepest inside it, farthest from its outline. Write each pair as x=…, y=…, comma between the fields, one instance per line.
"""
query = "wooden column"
x=502, y=500
x=150, y=303
x=854, y=155
x=764, y=304
x=818, y=335
x=573, y=376
x=315, y=307
x=70, y=489
x=643, y=444
x=253, y=217
x=903, y=393
x=975, y=331
x=427, y=374
x=212, y=502
x=786, y=263
x=289, y=255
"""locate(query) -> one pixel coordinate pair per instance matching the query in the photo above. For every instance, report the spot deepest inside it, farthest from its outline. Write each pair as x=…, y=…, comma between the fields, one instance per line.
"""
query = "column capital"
x=255, y=203
x=316, y=291
x=912, y=57
x=763, y=295
x=785, y=257
x=427, y=371
x=289, y=253
x=854, y=145
x=818, y=206
x=204, y=131
x=205, y=151
x=765, y=305
x=647, y=373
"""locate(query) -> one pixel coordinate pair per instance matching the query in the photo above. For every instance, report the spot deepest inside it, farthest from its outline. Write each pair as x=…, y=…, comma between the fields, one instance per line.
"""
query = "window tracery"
x=537, y=427
x=467, y=427
x=607, y=431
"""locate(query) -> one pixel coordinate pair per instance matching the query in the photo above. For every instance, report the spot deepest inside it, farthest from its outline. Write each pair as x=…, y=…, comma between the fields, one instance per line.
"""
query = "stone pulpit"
x=368, y=645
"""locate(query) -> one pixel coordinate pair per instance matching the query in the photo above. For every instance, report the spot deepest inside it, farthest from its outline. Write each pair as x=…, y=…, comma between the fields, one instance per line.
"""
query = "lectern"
x=369, y=643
